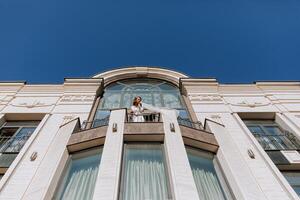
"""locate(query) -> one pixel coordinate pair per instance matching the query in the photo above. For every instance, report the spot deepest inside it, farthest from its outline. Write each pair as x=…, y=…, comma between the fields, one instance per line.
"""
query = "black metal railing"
x=189, y=123
x=284, y=141
x=12, y=144
x=144, y=117
x=95, y=123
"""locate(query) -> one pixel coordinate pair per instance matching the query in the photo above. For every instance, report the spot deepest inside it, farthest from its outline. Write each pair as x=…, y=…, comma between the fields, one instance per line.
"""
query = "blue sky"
x=234, y=40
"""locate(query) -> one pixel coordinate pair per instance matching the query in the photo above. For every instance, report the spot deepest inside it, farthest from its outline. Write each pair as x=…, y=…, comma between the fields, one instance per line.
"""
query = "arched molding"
x=141, y=72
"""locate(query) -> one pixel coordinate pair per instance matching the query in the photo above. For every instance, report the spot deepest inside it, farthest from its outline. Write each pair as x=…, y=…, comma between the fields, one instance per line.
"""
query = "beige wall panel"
x=31, y=105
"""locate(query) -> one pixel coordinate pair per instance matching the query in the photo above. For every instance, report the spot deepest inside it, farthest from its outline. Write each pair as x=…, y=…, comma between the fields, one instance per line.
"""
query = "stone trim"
x=199, y=139
x=135, y=72
x=87, y=139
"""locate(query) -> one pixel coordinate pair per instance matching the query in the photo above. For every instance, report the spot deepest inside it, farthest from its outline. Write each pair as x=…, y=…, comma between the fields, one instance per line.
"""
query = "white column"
x=107, y=185
x=238, y=174
x=53, y=161
x=181, y=177
x=264, y=170
x=19, y=174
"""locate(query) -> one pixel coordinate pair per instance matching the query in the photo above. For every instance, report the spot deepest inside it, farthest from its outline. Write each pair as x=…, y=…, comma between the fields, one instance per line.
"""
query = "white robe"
x=137, y=113
x=138, y=110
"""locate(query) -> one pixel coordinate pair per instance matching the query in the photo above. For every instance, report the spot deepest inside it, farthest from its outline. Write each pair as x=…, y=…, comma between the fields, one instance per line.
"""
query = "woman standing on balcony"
x=137, y=110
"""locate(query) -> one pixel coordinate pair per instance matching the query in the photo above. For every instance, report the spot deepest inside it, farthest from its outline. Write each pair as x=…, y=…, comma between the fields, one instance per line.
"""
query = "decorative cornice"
x=12, y=83
x=142, y=71
x=277, y=83
x=199, y=81
x=77, y=98
x=82, y=80
x=42, y=89
x=32, y=104
x=199, y=97
x=246, y=103
x=5, y=99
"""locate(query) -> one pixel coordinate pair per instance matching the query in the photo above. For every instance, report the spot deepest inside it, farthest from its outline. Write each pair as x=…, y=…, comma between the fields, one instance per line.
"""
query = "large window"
x=294, y=180
x=207, y=182
x=144, y=173
x=13, y=136
x=271, y=136
x=79, y=179
x=154, y=92
x=274, y=141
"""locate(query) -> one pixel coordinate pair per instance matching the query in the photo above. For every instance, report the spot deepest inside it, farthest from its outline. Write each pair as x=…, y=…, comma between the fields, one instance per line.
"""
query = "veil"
x=158, y=109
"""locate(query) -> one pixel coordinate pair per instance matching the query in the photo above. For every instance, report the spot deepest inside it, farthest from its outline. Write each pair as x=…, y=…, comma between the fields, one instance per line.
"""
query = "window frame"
x=123, y=165
x=63, y=176
x=262, y=124
x=291, y=171
x=99, y=100
x=228, y=193
x=18, y=129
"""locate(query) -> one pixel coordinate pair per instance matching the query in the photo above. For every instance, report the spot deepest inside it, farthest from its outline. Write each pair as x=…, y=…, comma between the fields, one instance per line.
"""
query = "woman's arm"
x=134, y=110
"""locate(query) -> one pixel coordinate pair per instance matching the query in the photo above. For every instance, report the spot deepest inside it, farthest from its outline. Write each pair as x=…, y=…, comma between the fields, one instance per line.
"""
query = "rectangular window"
x=271, y=136
x=13, y=136
x=294, y=180
x=205, y=177
x=144, y=173
x=80, y=176
x=101, y=118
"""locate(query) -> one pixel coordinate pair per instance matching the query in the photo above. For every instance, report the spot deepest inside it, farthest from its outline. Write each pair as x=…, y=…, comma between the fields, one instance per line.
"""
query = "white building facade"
x=204, y=140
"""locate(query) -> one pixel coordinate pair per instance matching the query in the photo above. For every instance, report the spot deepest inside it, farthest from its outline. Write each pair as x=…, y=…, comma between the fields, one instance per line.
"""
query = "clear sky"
x=43, y=41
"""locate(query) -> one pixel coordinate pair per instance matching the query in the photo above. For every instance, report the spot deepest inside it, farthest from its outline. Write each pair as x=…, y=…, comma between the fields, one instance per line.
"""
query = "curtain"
x=80, y=179
x=144, y=173
x=205, y=177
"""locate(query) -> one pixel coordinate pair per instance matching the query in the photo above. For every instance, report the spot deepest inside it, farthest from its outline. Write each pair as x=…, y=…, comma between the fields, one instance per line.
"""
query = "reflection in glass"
x=270, y=136
x=154, y=92
x=16, y=143
x=294, y=180
x=205, y=176
x=262, y=138
x=101, y=118
x=80, y=177
x=144, y=175
x=14, y=134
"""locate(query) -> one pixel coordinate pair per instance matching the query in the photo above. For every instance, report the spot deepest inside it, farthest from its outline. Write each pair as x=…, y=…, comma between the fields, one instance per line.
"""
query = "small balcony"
x=95, y=123
x=149, y=127
x=189, y=123
x=284, y=141
x=144, y=117
x=10, y=146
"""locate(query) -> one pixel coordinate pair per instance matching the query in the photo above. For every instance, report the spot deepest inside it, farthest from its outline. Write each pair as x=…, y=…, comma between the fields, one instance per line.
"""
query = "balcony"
x=95, y=123
x=188, y=123
x=146, y=127
x=284, y=141
x=151, y=129
x=10, y=146
x=147, y=117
